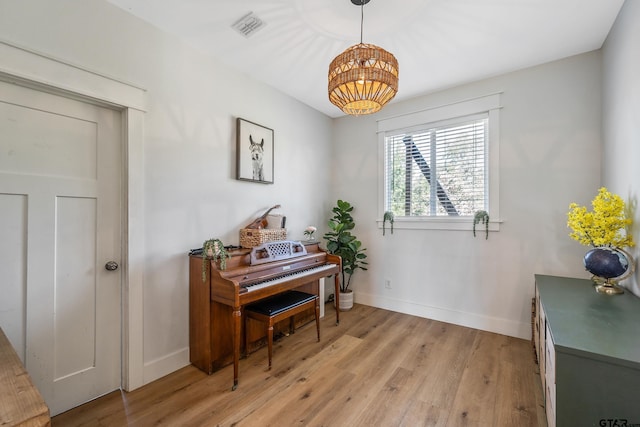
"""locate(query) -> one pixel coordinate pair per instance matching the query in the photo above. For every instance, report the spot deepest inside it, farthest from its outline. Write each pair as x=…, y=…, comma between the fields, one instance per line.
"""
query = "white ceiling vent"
x=248, y=24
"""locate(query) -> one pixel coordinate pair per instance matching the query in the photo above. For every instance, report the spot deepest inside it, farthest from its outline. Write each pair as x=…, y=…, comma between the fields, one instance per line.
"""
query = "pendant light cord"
x=361, y=18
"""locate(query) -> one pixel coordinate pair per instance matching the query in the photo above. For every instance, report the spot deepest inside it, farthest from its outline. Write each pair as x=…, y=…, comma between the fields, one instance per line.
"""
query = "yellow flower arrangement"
x=602, y=226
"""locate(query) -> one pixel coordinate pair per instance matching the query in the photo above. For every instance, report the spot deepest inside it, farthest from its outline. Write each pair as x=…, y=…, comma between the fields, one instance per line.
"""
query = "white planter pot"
x=346, y=301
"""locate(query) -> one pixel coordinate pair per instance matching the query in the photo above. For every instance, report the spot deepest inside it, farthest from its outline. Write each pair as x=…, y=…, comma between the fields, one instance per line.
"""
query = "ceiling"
x=438, y=43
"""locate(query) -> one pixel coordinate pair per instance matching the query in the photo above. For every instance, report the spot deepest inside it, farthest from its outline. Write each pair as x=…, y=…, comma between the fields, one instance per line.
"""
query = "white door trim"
x=43, y=72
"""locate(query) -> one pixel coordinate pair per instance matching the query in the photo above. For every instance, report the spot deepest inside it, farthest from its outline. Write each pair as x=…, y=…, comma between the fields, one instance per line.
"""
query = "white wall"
x=190, y=192
x=550, y=130
x=621, y=114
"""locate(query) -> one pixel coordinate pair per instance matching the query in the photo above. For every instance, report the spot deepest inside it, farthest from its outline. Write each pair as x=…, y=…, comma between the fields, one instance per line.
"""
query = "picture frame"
x=254, y=152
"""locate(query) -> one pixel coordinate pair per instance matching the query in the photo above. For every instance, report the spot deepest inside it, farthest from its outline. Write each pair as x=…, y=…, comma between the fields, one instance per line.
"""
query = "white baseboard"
x=485, y=323
x=165, y=365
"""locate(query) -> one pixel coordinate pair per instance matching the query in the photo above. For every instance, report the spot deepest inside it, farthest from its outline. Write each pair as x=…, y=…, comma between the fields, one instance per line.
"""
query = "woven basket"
x=250, y=237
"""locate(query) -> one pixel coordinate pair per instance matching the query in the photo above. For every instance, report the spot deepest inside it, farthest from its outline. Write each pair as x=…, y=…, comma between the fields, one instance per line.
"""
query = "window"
x=437, y=170
x=440, y=165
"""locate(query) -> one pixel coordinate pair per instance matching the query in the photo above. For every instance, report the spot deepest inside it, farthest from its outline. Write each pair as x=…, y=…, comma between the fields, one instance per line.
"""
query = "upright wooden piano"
x=216, y=304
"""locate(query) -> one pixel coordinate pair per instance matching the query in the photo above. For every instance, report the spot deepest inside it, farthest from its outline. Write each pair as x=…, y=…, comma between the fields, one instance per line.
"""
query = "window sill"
x=424, y=223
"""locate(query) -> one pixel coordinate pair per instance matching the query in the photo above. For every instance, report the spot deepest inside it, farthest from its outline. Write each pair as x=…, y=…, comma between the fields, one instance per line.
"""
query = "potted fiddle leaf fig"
x=340, y=241
x=214, y=249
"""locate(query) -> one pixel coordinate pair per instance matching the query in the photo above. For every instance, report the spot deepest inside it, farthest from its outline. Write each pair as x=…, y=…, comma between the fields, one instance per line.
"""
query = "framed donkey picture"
x=254, y=152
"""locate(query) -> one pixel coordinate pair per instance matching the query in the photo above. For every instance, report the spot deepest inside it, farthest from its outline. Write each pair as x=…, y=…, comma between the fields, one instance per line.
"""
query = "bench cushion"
x=281, y=302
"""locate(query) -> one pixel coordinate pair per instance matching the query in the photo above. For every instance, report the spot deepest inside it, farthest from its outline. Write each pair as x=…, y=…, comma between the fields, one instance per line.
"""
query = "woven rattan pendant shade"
x=362, y=79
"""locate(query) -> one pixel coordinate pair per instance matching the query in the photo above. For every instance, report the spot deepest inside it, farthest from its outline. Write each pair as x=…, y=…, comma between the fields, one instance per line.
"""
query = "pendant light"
x=363, y=78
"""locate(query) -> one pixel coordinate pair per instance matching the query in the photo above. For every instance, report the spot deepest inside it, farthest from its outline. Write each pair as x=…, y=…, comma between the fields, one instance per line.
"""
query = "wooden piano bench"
x=278, y=307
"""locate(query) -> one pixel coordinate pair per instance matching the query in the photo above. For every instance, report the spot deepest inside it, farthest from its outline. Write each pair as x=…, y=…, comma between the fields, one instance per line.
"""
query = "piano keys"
x=275, y=280
x=216, y=305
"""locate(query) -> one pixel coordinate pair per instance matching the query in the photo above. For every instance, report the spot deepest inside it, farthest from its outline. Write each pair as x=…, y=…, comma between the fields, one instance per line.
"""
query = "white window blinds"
x=437, y=169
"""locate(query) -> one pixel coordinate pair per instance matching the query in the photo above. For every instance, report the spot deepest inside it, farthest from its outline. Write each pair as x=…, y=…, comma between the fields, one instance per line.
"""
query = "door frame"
x=42, y=72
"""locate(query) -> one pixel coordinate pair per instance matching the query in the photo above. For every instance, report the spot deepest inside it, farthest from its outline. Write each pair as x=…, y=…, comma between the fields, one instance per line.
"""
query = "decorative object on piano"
x=261, y=221
x=250, y=238
x=214, y=249
x=257, y=233
x=341, y=242
x=254, y=148
x=309, y=232
x=602, y=229
x=388, y=216
x=481, y=217
x=276, y=221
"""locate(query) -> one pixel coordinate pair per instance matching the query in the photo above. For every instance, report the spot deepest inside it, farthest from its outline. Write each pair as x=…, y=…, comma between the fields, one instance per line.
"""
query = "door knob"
x=111, y=265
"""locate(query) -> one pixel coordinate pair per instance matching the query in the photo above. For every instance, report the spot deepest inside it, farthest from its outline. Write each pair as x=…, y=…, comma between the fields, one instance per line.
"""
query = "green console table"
x=588, y=348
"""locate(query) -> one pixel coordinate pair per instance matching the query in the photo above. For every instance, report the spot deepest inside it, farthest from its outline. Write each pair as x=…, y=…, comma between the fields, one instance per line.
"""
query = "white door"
x=60, y=193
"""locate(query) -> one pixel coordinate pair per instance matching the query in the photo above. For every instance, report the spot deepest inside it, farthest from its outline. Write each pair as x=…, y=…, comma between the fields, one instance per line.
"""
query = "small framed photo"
x=254, y=152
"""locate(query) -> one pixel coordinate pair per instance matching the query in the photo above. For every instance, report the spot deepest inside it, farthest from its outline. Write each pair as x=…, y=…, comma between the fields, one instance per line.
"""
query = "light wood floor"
x=377, y=368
